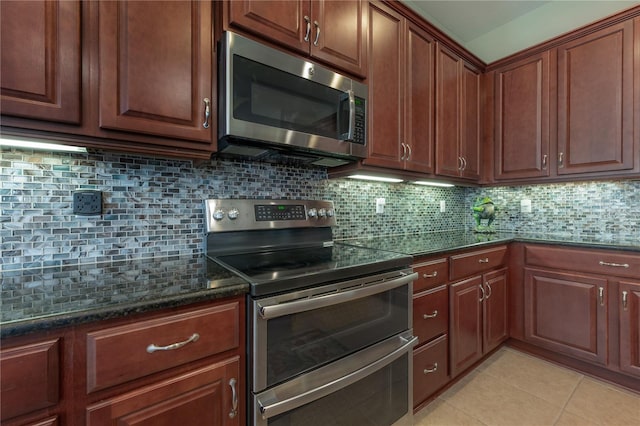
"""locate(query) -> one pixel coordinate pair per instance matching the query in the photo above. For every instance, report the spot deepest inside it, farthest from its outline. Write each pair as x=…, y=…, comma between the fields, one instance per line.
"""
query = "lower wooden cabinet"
x=430, y=368
x=629, y=302
x=567, y=312
x=207, y=396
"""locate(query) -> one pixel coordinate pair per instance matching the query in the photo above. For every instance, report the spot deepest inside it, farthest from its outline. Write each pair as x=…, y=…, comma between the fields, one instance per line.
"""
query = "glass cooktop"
x=276, y=271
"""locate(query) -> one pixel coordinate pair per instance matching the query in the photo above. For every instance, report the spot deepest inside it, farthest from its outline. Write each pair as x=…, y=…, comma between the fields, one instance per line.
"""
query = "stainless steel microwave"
x=270, y=101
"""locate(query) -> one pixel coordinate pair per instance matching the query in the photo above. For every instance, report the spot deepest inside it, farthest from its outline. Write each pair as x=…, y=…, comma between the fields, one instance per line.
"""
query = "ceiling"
x=493, y=29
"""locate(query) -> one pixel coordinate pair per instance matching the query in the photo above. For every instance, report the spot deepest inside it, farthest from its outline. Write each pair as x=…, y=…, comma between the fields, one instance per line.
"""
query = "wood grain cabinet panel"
x=567, y=312
x=465, y=329
x=30, y=378
x=120, y=354
x=629, y=302
x=595, y=102
x=156, y=63
x=522, y=133
x=431, y=313
x=495, y=312
x=475, y=262
x=431, y=273
x=430, y=364
x=40, y=60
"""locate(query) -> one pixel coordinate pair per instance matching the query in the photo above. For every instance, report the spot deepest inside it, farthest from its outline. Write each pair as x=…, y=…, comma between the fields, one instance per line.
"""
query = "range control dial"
x=233, y=214
x=312, y=213
x=218, y=214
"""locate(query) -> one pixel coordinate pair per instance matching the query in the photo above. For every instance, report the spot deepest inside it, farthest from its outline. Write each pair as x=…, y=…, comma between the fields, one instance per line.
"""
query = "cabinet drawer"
x=30, y=378
x=595, y=261
x=430, y=274
x=467, y=264
x=119, y=354
x=429, y=369
x=431, y=313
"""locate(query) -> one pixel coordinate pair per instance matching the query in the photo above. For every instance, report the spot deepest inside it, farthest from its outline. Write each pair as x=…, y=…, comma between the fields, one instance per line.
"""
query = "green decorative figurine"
x=484, y=208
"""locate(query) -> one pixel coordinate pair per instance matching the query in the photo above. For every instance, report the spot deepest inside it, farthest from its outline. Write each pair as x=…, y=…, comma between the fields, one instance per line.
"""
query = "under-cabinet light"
x=375, y=178
x=429, y=183
x=39, y=145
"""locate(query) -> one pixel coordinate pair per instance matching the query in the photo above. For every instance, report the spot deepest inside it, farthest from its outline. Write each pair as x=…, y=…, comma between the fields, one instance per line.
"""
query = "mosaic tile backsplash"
x=153, y=207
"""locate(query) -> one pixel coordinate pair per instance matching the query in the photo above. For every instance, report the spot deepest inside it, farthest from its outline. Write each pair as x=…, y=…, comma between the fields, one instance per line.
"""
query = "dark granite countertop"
x=46, y=298
x=448, y=241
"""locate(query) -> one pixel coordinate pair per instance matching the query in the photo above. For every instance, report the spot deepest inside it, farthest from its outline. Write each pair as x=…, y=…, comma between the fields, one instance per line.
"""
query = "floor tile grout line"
x=563, y=410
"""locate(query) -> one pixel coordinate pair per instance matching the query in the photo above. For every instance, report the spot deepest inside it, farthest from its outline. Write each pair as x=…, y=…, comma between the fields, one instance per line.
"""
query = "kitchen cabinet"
x=331, y=31
x=401, y=85
x=156, y=69
x=41, y=60
x=477, y=306
x=522, y=117
x=457, y=126
x=629, y=302
x=595, y=102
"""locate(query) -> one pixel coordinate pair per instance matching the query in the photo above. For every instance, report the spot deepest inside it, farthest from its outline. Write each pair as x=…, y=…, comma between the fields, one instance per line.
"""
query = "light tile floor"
x=514, y=389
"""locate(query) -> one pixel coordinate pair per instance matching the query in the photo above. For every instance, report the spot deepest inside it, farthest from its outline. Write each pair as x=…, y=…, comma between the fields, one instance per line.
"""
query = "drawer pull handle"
x=308, y=32
x=615, y=265
x=152, y=348
x=601, y=295
x=431, y=370
x=207, y=113
x=481, y=291
x=435, y=274
x=433, y=315
x=485, y=260
x=489, y=291
x=625, y=299
x=234, y=399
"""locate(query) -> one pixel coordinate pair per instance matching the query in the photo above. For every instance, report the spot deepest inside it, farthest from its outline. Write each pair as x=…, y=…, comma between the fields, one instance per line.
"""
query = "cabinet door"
x=495, y=313
x=40, y=60
x=595, y=102
x=386, y=29
x=156, y=68
x=283, y=21
x=448, y=101
x=339, y=34
x=567, y=312
x=419, y=100
x=630, y=327
x=522, y=118
x=201, y=397
x=465, y=329
x=470, y=123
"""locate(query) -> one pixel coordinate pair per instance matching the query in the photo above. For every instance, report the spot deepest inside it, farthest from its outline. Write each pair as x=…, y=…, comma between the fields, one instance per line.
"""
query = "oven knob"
x=322, y=213
x=312, y=212
x=330, y=213
x=233, y=214
x=218, y=214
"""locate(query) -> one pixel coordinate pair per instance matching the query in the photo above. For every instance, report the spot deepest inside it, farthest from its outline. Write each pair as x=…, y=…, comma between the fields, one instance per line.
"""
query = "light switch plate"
x=525, y=206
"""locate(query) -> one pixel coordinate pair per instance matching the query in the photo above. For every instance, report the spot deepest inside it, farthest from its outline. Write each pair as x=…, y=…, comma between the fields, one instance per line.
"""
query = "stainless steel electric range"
x=330, y=334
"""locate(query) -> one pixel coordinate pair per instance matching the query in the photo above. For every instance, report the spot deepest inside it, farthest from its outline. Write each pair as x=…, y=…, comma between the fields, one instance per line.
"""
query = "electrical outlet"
x=443, y=206
x=87, y=202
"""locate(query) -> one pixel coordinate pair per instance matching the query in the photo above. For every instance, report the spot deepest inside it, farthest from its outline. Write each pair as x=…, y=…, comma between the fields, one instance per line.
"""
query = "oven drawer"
x=430, y=274
x=467, y=264
x=119, y=354
x=431, y=313
x=430, y=369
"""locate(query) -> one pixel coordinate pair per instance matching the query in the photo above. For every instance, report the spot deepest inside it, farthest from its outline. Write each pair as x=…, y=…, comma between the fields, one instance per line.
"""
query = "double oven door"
x=335, y=354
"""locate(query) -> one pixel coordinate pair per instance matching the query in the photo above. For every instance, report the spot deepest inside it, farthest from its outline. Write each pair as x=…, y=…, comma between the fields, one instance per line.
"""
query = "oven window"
x=307, y=340
x=268, y=96
x=379, y=399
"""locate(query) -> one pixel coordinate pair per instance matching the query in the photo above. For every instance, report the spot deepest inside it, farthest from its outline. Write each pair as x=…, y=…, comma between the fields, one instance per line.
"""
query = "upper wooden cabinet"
x=40, y=60
x=457, y=130
x=400, y=92
x=522, y=134
x=595, y=102
x=156, y=69
x=332, y=31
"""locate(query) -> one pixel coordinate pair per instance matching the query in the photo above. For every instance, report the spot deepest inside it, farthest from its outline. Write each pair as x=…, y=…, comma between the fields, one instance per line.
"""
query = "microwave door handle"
x=351, y=98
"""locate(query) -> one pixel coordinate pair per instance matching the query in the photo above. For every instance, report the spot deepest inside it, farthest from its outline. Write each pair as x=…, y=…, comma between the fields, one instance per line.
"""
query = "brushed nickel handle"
x=431, y=370
x=485, y=260
x=625, y=299
x=435, y=274
x=152, y=348
x=615, y=265
x=464, y=163
x=234, y=399
x=544, y=162
x=561, y=160
x=207, y=113
x=409, y=149
x=308, y=33
x=481, y=291
x=601, y=295
x=433, y=315
x=315, y=42
x=489, y=292
x=404, y=151
x=459, y=163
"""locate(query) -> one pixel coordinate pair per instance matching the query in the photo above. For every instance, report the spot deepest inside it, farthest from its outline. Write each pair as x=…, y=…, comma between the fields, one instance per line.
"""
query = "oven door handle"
x=370, y=366
x=275, y=311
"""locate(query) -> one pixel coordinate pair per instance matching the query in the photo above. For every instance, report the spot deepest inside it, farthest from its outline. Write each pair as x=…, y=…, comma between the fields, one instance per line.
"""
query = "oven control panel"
x=251, y=214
